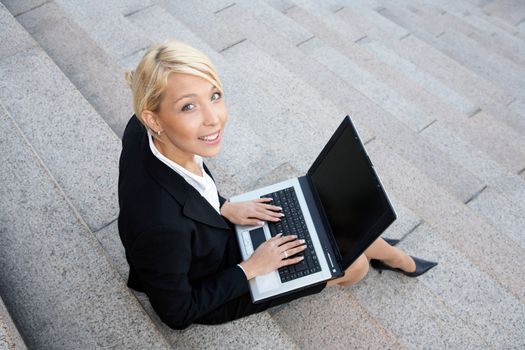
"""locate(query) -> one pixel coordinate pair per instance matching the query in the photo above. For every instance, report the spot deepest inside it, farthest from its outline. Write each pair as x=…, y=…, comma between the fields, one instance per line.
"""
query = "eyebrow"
x=189, y=95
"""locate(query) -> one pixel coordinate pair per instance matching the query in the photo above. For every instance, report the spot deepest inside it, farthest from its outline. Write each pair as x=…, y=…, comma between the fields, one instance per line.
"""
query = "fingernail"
x=281, y=214
x=302, y=240
x=260, y=223
x=294, y=236
x=280, y=208
x=278, y=235
x=301, y=258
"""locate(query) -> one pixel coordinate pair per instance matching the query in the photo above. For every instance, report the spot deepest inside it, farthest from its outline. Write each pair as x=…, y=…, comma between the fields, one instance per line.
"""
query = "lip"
x=214, y=141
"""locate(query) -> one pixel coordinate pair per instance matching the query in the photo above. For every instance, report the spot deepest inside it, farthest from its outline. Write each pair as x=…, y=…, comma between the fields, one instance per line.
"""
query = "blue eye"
x=186, y=107
x=216, y=93
x=191, y=106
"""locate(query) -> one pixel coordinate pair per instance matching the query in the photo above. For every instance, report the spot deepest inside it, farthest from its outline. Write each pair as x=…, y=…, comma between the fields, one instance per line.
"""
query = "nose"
x=211, y=115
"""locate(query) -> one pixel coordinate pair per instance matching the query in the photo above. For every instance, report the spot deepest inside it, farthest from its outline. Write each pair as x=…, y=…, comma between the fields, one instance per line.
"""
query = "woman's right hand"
x=273, y=254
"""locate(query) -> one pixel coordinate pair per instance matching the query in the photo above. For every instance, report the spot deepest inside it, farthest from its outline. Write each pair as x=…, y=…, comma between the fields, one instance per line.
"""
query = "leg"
x=391, y=256
x=353, y=274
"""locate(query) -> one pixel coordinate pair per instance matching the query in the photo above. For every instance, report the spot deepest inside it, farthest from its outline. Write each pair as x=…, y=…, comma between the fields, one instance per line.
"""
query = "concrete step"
x=511, y=11
x=414, y=313
x=309, y=137
x=429, y=104
x=508, y=184
x=267, y=15
x=512, y=117
x=476, y=299
x=29, y=81
x=93, y=72
x=442, y=68
x=475, y=16
x=59, y=299
x=493, y=252
x=331, y=320
x=271, y=74
x=191, y=14
x=279, y=79
x=66, y=295
x=507, y=45
x=432, y=60
x=494, y=67
x=107, y=26
x=10, y=337
x=334, y=23
x=471, y=300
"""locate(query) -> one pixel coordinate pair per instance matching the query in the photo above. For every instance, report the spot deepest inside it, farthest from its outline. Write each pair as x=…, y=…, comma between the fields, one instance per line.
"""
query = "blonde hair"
x=149, y=80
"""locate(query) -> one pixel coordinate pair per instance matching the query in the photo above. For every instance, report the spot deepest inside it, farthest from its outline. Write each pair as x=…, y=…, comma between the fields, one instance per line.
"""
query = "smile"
x=210, y=138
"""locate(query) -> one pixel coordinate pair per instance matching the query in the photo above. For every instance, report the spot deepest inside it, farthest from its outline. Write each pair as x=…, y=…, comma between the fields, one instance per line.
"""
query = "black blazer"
x=179, y=249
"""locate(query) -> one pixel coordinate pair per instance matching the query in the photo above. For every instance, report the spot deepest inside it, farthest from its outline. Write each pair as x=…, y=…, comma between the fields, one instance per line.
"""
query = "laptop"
x=339, y=208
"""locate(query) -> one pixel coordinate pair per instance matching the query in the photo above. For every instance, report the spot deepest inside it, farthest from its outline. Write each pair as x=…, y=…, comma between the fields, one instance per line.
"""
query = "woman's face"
x=192, y=117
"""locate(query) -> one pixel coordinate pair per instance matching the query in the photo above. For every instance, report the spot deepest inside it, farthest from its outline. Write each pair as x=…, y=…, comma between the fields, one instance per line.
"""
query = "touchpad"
x=257, y=237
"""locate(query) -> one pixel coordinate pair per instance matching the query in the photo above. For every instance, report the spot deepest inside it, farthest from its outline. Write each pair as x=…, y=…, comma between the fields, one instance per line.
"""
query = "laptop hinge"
x=320, y=220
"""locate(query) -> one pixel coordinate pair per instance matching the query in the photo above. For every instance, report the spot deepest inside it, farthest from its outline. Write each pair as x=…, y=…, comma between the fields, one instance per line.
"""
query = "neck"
x=184, y=159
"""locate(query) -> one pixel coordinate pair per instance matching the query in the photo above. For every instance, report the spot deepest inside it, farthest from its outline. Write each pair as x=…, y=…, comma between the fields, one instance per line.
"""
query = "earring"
x=158, y=132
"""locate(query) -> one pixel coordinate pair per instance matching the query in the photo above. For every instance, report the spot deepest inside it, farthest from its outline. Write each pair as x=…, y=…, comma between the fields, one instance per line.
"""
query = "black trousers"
x=243, y=305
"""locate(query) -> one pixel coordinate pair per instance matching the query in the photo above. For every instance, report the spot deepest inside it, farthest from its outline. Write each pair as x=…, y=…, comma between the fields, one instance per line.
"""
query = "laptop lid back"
x=356, y=206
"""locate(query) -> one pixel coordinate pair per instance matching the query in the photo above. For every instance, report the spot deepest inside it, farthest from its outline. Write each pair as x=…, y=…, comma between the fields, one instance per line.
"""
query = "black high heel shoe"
x=422, y=266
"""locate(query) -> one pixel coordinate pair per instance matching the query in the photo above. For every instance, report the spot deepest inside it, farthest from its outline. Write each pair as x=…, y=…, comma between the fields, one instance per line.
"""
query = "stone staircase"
x=436, y=89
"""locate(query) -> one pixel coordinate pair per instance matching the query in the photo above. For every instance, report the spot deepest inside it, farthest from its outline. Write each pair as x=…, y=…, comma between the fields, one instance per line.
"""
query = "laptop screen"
x=356, y=207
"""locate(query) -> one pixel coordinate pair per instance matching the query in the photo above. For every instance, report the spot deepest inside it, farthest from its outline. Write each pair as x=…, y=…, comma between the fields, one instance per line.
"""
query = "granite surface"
x=66, y=132
x=55, y=275
x=93, y=72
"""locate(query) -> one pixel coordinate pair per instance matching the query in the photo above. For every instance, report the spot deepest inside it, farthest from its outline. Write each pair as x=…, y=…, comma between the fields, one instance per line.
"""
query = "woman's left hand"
x=252, y=212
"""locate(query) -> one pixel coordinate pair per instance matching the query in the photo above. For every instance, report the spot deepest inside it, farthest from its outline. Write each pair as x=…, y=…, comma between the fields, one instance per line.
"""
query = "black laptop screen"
x=354, y=202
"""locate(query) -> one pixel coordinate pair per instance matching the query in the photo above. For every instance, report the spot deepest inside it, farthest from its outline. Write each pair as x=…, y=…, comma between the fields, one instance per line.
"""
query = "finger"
x=262, y=200
x=264, y=208
x=273, y=214
x=277, y=236
x=283, y=239
x=271, y=207
x=292, y=261
x=291, y=245
x=266, y=217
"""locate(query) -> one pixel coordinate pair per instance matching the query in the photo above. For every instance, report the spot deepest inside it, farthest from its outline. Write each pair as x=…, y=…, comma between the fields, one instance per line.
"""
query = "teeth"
x=210, y=138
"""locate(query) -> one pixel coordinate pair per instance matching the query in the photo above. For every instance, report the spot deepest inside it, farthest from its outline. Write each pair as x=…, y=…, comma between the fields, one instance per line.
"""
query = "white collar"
x=199, y=182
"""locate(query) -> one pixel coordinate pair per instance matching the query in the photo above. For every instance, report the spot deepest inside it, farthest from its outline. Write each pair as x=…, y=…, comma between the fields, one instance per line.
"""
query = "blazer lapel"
x=194, y=205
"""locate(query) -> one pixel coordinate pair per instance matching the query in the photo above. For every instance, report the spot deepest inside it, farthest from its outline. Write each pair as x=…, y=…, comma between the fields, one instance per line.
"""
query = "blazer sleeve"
x=162, y=257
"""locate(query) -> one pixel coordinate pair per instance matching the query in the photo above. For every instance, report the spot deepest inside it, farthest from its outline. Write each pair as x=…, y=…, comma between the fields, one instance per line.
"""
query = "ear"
x=151, y=120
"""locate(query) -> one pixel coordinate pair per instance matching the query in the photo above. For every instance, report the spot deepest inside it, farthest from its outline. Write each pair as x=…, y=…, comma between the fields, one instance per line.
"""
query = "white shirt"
x=203, y=184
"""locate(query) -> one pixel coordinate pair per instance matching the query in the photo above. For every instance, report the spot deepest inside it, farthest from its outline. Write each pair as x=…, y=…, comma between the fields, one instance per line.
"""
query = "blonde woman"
x=176, y=229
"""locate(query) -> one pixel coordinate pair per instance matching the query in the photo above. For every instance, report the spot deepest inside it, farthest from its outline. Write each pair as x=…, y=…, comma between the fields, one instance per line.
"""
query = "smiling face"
x=191, y=118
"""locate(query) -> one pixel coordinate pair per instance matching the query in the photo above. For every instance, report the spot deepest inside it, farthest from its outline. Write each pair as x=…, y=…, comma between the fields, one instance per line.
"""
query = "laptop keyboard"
x=292, y=223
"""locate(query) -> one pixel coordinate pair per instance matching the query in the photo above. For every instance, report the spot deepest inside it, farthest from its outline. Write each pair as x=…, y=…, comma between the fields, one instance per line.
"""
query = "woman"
x=176, y=229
